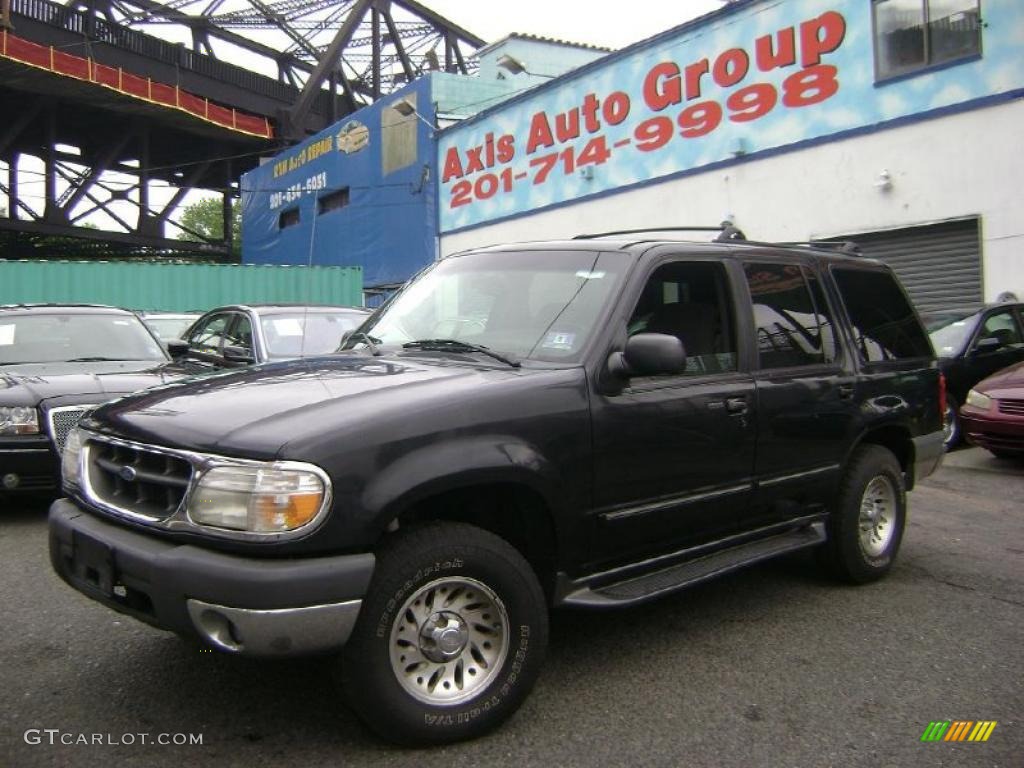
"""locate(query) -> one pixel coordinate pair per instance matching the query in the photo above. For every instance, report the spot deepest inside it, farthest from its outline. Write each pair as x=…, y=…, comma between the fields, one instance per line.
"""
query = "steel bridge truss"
x=52, y=189
x=357, y=50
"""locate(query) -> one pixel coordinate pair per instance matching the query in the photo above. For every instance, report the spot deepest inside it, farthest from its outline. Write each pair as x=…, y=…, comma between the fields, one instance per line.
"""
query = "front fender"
x=430, y=470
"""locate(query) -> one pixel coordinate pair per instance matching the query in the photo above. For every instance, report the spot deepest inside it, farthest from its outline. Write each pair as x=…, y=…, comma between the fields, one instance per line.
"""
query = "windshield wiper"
x=453, y=345
x=99, y=360
x=370, y=341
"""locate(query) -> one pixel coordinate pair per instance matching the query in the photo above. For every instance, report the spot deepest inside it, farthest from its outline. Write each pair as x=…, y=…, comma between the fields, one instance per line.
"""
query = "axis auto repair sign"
x=676, y=105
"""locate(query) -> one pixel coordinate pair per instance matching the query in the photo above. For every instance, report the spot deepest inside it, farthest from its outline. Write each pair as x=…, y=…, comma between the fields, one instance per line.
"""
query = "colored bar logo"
x=958, y=730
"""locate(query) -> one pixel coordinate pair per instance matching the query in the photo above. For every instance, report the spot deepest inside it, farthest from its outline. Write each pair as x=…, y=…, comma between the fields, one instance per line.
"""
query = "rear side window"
x=793, y=326
x=884, y=325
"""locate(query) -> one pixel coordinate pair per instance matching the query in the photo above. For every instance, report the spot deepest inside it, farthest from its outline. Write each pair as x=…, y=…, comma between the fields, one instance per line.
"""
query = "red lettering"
x=452, y=166
x=506, y=148
x=662, y=87
x=693, y=74
x=567, y=125
x=810, y=86
x=489, y=144
x=616, y=108
x=540, y=133
x=776, y=54
x=731, y=67
x=474, y=161
x=591, y=104
x=821, y=35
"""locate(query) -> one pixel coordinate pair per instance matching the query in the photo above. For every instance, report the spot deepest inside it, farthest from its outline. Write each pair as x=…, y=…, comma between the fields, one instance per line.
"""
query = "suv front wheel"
x=450, y=638
x=866, y=525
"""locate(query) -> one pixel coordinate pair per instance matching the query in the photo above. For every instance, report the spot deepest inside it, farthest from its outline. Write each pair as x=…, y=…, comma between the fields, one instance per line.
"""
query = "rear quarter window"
x=883, y=322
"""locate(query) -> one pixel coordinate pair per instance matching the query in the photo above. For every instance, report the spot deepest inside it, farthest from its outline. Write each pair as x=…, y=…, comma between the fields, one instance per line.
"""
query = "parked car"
x=993, y=413
x=169, y=325
x=592, y=423
x=971, y=346
x=239, y=335
x=56, y=362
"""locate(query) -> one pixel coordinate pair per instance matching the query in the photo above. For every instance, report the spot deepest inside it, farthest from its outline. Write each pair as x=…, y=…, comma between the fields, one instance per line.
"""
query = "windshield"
x=540, y=305
x=53, y=338
x=950, y=333
x=301, y=334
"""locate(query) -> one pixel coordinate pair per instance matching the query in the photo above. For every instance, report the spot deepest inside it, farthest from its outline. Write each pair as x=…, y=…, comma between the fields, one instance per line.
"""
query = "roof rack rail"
x=726, y=232
x=844, y=246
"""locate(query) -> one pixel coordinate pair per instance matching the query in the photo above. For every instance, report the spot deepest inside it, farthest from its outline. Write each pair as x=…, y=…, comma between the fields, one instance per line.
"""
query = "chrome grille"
x=63, y=420
x=136, y=480
x=1012, y=406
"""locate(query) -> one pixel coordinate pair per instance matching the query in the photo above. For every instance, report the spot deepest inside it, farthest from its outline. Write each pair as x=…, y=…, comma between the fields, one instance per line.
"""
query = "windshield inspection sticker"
x=558, y=340
x=588, y=275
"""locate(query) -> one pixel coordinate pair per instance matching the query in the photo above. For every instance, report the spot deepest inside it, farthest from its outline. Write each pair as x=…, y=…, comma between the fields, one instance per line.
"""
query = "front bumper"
x=253, y=606
x=1005, y=434
x=28, y=467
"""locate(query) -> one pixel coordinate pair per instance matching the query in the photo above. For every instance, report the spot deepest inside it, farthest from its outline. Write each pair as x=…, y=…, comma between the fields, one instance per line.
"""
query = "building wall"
x=949, y=168
x=784, y=168
x=387, y=224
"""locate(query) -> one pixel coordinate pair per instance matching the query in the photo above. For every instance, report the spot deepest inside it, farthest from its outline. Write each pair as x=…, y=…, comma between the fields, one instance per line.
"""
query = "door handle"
x=736, y=404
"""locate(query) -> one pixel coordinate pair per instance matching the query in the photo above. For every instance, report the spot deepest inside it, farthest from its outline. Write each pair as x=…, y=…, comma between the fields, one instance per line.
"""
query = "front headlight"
x=257, y=499
x=18, y=420
x=976, y=399
x=71, y=459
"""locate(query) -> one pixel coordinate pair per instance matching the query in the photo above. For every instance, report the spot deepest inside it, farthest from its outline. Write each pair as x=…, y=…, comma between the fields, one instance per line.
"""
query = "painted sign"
x=768, y=75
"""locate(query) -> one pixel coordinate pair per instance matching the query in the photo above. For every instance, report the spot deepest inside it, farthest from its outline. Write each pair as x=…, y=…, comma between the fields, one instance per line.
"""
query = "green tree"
x=206, y=218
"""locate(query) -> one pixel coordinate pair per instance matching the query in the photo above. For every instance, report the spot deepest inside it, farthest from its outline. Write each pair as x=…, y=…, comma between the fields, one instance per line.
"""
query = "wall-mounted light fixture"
x=407, y=108
x=514, y=66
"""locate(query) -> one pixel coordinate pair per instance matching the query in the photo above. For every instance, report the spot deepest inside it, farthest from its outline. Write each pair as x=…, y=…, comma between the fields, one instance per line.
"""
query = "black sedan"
x=56, y=362
x=243, y=334
x=972, y=346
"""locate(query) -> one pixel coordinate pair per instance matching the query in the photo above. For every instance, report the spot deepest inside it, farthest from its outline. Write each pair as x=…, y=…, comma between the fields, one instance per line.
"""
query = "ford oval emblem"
x=128, y=474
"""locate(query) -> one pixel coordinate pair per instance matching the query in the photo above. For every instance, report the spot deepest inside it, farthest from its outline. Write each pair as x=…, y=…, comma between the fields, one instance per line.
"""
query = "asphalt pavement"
x=773, y=666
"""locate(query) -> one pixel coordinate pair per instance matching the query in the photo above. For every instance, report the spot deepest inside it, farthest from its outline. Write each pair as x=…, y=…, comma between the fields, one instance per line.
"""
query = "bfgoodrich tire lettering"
x=450, y=638
x=866, y=526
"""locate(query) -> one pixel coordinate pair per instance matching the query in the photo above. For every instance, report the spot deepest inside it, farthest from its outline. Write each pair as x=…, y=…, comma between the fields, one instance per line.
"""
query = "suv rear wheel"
x=866, y=526
x=450, y=638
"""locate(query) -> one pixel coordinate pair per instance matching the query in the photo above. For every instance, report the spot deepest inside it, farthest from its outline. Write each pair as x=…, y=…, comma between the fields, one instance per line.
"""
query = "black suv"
x=591, y=423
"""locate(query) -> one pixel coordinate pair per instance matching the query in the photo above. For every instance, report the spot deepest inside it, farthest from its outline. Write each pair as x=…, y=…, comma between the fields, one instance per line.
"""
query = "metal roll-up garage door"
x=940, y=264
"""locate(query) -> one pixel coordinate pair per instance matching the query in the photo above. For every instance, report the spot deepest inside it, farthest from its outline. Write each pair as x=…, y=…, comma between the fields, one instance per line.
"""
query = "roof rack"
x=726, y=232
x=845, y=246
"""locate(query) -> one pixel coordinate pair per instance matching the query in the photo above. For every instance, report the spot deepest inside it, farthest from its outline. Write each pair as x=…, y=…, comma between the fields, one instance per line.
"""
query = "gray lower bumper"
x=929, y=451
x=280, y=632
x=252, y=605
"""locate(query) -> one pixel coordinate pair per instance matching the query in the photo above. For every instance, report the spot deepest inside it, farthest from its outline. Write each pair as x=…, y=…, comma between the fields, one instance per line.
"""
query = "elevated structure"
x=119, y=108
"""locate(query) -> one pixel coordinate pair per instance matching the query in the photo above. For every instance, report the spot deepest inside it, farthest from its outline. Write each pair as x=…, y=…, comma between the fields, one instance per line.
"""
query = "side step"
x=640, y=589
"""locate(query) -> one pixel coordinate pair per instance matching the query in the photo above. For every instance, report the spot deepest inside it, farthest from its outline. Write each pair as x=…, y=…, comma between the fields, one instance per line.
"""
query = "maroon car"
x=993, y=416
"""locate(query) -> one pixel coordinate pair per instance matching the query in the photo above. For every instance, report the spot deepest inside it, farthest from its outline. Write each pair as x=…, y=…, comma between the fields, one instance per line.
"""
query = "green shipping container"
x=175, y=287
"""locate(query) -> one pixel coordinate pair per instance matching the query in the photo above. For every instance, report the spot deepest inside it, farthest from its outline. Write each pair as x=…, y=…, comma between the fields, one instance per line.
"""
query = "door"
x=998, y=343
x=806, y=408
x=674, y=454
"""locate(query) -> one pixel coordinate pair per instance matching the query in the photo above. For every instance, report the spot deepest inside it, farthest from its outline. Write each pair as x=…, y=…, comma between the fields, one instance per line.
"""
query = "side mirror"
x=233, y=354
x=990, y=344
x=648, y=354
x=176, y=348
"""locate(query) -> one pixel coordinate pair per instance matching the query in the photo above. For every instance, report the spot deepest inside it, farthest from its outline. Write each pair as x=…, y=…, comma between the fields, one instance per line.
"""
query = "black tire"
x=417, y=563
x=952, y=435
x=846, y=554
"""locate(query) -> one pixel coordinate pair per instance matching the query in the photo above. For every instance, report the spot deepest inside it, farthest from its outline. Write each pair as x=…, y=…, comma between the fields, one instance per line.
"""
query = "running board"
x=640, y=589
